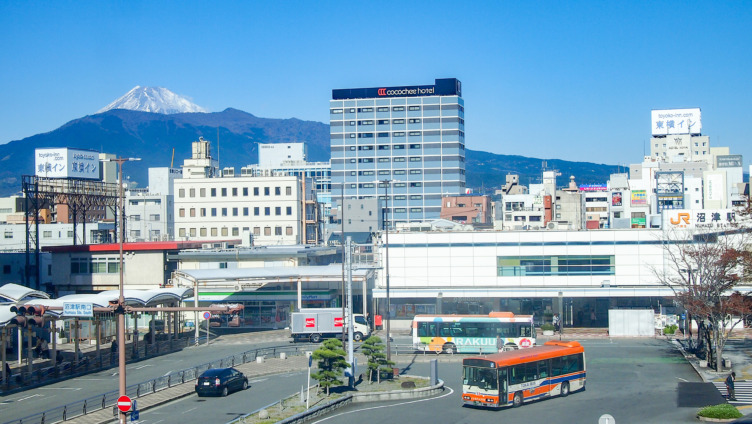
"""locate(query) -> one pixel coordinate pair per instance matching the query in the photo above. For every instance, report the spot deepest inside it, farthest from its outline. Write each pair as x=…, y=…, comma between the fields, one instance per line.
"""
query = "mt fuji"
x=153, y=99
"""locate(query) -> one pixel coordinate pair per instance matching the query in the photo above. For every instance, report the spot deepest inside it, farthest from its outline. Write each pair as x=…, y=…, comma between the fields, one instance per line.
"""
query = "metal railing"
x=135, y=391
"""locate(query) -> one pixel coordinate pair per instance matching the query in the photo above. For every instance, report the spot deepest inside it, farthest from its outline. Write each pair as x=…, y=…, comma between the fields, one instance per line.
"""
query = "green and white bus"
x=490, y=333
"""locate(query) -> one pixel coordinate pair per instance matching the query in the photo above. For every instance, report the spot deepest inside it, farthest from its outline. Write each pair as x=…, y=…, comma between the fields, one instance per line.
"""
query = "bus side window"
x=517, y=374
x=445, y=330
x=422, y=329
x=556, y=364
x=543, y=368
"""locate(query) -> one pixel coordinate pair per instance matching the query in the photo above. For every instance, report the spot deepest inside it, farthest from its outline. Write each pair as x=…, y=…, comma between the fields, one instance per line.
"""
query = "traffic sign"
x=135, y=414
x=207, y=315
x=124, y=403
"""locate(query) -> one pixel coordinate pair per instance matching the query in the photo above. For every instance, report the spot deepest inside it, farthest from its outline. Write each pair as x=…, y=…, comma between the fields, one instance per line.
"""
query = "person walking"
x=556, y=322
x=730, y=386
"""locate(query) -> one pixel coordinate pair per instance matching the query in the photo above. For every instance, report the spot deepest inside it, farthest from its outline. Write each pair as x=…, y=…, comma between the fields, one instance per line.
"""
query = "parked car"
x=220, y=381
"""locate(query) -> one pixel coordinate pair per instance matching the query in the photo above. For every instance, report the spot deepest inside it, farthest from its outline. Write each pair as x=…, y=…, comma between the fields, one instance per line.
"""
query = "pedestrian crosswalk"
x=743, y=391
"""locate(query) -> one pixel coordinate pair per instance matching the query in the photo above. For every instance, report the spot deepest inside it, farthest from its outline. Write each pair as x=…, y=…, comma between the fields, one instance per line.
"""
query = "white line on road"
x=167, y=373
x=60, y=388
x=141, y=367
x=185, y=412
x=257, y=380
x=682, y=379
x=28, y=397
x=388, y=406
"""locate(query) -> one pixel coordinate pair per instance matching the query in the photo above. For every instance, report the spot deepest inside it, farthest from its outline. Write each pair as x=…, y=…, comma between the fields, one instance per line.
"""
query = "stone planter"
x=703, y=363
x=548, y=332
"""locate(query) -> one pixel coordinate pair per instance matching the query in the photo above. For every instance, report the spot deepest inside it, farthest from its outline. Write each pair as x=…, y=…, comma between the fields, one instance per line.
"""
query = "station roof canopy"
x=151, y=297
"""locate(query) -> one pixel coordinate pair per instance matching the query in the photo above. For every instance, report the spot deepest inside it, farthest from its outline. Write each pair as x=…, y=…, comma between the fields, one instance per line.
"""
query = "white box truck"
x=315, y=324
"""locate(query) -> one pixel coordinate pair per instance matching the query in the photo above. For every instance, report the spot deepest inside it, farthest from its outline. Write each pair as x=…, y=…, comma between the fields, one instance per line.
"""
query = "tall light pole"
x=386, y=183
x=120, y=310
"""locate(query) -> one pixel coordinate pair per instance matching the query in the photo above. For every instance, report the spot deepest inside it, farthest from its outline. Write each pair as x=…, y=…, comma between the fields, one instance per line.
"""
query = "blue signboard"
x=75, y=309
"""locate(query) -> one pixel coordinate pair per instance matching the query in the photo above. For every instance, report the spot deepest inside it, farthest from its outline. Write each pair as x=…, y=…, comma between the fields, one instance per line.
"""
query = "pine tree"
x=373, y=349
x=332, y=361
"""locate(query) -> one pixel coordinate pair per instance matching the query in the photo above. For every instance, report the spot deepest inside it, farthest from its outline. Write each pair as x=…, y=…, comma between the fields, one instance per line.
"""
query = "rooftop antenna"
x=218, y=165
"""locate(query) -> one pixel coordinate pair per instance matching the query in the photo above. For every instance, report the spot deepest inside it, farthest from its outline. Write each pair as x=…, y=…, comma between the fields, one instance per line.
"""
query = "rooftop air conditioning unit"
x=552, y=225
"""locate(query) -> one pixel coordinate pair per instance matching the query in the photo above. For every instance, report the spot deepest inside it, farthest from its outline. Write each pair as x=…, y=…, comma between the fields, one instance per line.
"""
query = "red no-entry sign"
x=124, y=403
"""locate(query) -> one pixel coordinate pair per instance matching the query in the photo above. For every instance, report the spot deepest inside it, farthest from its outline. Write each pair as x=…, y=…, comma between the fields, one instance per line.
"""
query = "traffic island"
x=293, y=408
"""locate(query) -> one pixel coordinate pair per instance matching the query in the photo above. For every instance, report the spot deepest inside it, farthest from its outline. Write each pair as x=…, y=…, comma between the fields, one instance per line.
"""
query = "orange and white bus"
x=473, y=333
x=514, y=377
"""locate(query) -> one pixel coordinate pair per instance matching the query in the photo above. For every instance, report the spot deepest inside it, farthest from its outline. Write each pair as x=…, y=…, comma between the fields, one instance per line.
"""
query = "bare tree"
x=704, y=271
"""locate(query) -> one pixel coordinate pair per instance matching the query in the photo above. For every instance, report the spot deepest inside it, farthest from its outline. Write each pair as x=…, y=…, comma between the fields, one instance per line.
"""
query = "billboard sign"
x=639, y=197
x=593, y=187
x=616, y=198
x=728, y=161
x=441, y=87
x=702, y=218
x=676, y=121
x=66, y=163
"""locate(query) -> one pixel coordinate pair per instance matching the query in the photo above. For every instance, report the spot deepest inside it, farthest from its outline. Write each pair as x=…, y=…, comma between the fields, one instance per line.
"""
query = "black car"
x=220, y=381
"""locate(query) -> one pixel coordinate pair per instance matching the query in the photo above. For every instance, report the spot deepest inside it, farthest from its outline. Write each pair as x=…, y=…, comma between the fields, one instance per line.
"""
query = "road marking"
x=167, y=373
x=682, y=379
x=185, y=412
x=60, y=388
x=257, y=380
x=141, y=367
x=28, y=397
x=387, y=406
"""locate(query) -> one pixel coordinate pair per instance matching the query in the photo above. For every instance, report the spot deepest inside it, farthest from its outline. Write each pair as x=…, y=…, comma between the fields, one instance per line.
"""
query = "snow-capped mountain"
x=153, y=99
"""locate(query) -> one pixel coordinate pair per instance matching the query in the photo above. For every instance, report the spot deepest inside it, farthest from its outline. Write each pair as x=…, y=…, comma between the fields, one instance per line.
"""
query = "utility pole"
x=120, y=309
x=386, y=183
x=350, y=318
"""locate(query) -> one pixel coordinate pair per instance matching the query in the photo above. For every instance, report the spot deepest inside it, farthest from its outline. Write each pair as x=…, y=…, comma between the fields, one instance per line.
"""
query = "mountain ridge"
x=152, y=136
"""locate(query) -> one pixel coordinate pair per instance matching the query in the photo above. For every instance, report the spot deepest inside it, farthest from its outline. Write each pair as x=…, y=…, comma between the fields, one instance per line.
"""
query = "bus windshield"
x=482, y=378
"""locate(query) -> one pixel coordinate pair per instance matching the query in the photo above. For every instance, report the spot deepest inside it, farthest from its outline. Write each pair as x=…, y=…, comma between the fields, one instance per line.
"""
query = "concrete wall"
x=631, y=323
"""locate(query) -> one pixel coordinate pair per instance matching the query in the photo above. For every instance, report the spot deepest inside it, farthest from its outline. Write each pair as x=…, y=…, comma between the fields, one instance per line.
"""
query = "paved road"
x=634, y=380
x=32, y=401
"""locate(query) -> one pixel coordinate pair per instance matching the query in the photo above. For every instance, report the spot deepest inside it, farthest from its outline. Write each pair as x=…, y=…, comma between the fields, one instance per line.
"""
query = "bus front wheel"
x=517, y=399
x=564, y=389
x=450, y=348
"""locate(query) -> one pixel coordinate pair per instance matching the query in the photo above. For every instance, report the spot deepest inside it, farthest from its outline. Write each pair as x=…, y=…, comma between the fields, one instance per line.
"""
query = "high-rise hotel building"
x=413, y=136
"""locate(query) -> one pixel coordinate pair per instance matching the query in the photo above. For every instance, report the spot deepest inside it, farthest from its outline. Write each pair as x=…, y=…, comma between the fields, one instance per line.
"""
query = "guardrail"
x=135, y=391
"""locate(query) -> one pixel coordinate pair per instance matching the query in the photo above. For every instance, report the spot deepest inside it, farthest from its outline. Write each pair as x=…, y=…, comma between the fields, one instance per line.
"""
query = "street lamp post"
x=386, y=183
x=120, y=310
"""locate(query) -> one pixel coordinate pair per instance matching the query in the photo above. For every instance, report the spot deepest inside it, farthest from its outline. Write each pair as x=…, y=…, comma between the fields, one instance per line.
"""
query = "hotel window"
x=336, y=111
x=398, y=109
x=352, y=148
x=384, y=172
x=288, y=231
x=398, y=121
x=365, y=109
x=192, y=232
x=399, y=172
x=399, y=147
x=416, y=197
x=235, y=231
x=268, y=211
x=214, y=232
x=415, y=171
x=400, y=210
x=288, y=191
x=365, y=135
x=234, y=211
x=224, y=232
x=413, y=121
x=416, y=210
x=245, y=211
x=414, y=134
x=351, y=123
x=277, y=231
x=365, y=122
x=255, y=211
x=382, y=109
x=365, y=147
x=224, y=192
x=214, y=192
x=289, y=210
x=181, y=232
x=267, y=231
x=277, y=210
x=414, y=108
x=224, y=211
x=415, y=146
x=256, y=231
x=255, y=191
x=245, y=191
x=384, y=147
x=277, y=191
x=399, y=159
x=202, y=232
x=383, y=159
x=213, y=211
x=365, y=160
x=181, y=213
x=202, y=192
x=381, y=135
x=181, y=192
x=415, y=159
x=192, y=192
x=193, y=213
x=416, y=184
x=234, y=191
x=266, y=191
x=400, y=197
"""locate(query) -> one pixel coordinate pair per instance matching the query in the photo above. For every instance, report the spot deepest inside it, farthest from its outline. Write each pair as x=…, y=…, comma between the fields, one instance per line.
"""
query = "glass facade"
x=509, y=266
x=417, y=142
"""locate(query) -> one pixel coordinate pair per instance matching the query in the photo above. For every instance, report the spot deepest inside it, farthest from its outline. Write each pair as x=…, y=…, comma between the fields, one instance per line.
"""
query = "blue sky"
x=561, y=79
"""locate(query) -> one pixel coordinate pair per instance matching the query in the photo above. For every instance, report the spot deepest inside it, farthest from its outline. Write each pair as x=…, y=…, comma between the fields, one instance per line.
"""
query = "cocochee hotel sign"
x=441, y=87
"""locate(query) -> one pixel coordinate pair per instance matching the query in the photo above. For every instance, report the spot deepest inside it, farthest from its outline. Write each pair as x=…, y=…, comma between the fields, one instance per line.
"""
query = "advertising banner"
x=616, y=198
x=676, y=121
x=66, y=163
x=639, y=197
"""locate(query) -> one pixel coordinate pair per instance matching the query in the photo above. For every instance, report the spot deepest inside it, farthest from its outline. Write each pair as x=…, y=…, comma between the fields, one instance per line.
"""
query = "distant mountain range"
x=153, y=137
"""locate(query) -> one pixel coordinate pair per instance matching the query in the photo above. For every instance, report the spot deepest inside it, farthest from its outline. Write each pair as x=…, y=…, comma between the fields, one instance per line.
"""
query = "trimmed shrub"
x=670, y=329
x=547, y=327
x=722, y=411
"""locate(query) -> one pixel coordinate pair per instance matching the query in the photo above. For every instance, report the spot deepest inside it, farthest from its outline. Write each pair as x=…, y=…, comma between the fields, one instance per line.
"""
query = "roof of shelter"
x=333, y=270
x=16, y=292
x=151, y=297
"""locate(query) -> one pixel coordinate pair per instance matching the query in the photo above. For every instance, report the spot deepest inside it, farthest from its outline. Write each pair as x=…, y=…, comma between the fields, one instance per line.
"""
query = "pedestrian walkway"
x=743, y=391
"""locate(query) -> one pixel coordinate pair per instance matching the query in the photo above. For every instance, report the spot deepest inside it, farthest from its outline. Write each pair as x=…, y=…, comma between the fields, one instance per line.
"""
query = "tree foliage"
x=704, y=270
x=373, y=349
x=332, y=361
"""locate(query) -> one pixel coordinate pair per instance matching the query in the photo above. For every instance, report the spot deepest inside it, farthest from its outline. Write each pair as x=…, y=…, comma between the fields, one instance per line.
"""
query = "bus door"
x=503, y=390
x=543, y=376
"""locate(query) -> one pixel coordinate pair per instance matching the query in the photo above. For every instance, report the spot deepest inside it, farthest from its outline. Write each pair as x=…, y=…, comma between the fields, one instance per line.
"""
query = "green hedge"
x=670, y=329
x=722, y=411
x=547, y=327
